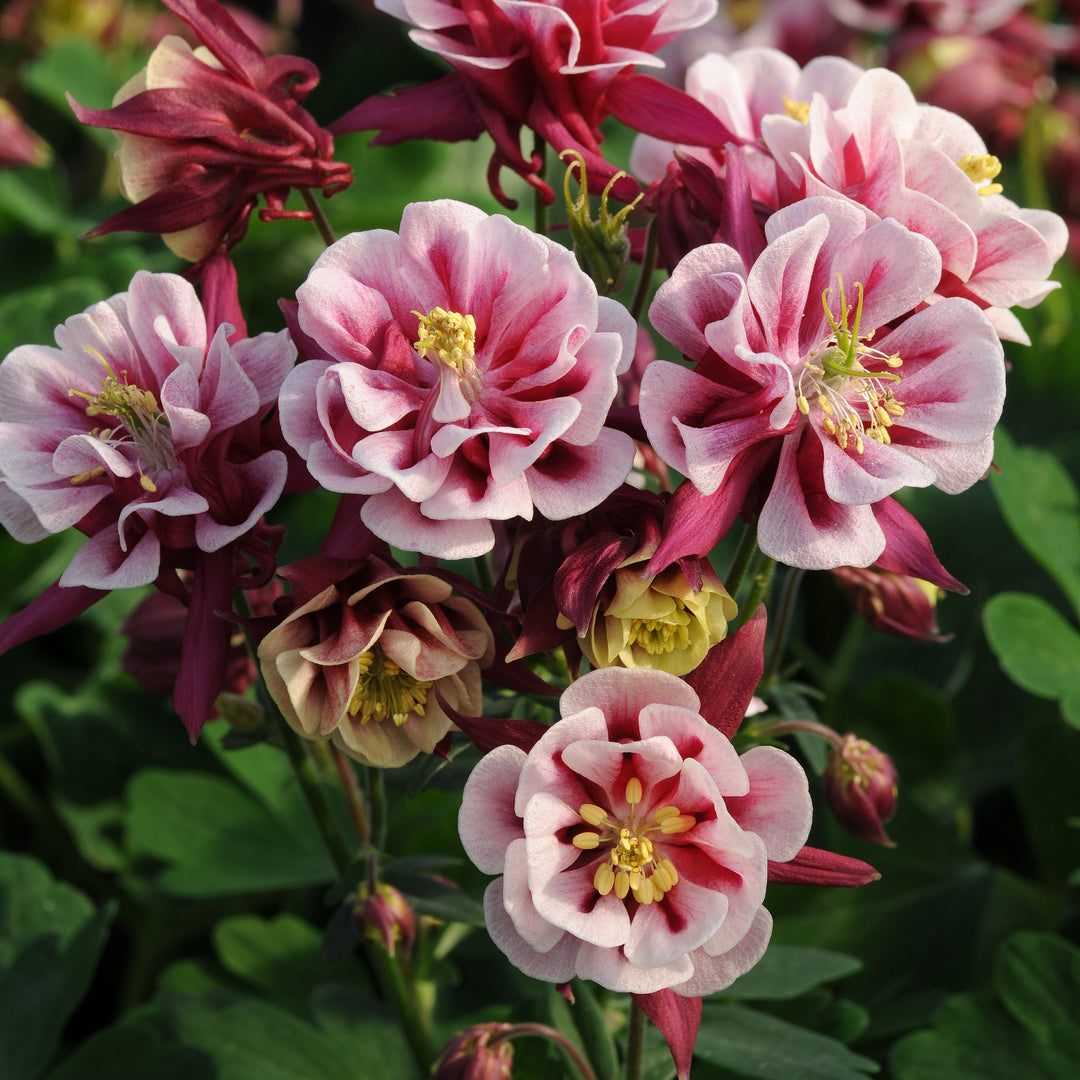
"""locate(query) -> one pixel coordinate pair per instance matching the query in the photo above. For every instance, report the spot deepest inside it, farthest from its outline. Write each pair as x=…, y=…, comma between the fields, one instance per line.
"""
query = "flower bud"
x=898, y=604
x=384, y=917
x=601, y=246
x=860, y=784
x=469, y=1055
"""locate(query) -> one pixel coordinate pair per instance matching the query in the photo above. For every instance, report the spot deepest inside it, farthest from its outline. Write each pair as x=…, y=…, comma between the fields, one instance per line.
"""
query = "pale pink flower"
x=468, y=370
x=633, y=842
x=928, y=169
x=143, y=430
x=791, y=410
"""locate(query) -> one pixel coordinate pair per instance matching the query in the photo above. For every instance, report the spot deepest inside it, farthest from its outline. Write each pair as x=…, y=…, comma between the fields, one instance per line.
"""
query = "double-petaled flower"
x=633, y=842
x=816, y=393
x=144, y=430
x=462, y=372
x=203, y=133
x=372, y=654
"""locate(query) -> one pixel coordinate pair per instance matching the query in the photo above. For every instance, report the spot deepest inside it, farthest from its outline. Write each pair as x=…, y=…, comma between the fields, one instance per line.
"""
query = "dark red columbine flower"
x=203, y=133
x=860, y=784
x=558, y=68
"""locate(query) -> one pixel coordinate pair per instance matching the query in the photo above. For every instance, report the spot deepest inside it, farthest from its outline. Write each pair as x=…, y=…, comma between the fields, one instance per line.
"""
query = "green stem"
x=318, y=216
x=648, y=265
x=758, y=591
x=792, y=581
x=1032, y=154
x=314, y=794
x=396, y=988
x=540, y=208
x=545, y=1032
x=635, y=1042
x=377, y=803
x=741, y=562
x=483, y=573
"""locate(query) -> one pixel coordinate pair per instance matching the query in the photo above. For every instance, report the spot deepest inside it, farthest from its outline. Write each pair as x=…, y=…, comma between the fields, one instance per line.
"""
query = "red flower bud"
x=860, y=786
x=469, y=1055
x=898, y=604
x=385, y=917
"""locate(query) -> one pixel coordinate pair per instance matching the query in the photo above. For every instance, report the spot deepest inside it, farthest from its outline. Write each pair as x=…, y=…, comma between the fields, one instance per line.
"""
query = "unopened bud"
x=601, y=245
x=469, y=1055
x=900, y=605
x=860, y=785
x=384, y=917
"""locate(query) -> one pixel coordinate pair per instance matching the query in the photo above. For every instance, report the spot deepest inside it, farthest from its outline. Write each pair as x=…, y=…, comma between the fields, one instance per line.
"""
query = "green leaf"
x=754, y=1044
x=1030, y=1028
x=74, y=66
x=591, y=1021
x=356, y=1023
x=215, y=839
x=253, y=1040
x=786, y=971
x=50, y=941
x=1042, y=507
x=134, y=1050
x=1037, y=648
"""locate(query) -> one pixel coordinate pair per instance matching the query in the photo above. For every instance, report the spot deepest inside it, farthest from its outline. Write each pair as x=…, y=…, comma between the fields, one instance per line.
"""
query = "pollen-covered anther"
x=797, y=110
x=633, y=791
x=982, y=168
x=450, y=336
x=383, y=691
x=848, y=381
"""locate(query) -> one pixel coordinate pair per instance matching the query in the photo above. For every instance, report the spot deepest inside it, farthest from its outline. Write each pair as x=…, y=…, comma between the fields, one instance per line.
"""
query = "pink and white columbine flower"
x=633, y=842
x=142, y=430
x=468, y=369
x=792, y=410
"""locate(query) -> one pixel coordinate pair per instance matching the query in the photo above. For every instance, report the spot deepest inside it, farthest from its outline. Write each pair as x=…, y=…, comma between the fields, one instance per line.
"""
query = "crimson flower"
x=203, y=133
x=558, y=68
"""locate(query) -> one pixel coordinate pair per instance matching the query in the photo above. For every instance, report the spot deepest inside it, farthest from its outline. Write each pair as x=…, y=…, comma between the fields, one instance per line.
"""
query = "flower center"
x=850, y=400
x=663, y=635
x=982, y=168
x=631, y=865
x=797, y=110
x=385, y=691
x=141, y=422
x=450, y=336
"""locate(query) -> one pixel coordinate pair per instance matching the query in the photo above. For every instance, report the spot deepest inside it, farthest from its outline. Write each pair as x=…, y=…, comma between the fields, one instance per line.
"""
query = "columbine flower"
x=860, y=784
x=589, y=574
x=144, y=431
x=203, y=133
x=370, y=655
x=791, y=408
x=469, y=369
x=632, y=841
x=558, y=68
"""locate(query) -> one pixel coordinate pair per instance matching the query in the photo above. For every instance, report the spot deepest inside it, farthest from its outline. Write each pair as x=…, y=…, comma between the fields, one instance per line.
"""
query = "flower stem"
x=741, y=562
x=635, y=1041
x=318, y=216
x=354, y=795
x=545, y=1032
x=397, y=989
x=758, y=590
x=314, y=794
x=540, y=209
x=792, y=581
x=769, y=729
x=648, y=265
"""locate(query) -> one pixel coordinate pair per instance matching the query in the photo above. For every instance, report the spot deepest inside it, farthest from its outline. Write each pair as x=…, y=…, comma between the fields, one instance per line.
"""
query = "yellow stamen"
x=383, y=691
x=677, y=824
x=797, y=110
x=604, y=879
x=586, y=841
x=451, y=336
x=593, y=814
x=981, y=168
x=633, y=791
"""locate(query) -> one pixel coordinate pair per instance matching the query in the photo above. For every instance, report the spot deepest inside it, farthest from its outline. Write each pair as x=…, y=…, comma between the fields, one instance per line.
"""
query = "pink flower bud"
x=898, y=604
x=860, y=786
x=469, y=1055
x=384, y=916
